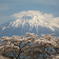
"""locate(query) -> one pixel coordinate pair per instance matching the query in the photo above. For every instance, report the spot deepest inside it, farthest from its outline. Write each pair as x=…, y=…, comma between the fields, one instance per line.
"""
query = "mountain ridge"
x=28, y=22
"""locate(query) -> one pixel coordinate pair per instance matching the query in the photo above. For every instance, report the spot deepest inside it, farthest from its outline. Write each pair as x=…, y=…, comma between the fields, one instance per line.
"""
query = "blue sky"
x=10, y=7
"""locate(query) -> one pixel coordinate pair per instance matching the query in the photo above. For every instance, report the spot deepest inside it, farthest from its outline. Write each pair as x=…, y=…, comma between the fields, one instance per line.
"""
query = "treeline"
x=30, y=47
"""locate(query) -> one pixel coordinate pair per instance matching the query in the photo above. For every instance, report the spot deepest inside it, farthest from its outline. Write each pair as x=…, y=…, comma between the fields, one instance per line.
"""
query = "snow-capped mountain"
x=30, y=21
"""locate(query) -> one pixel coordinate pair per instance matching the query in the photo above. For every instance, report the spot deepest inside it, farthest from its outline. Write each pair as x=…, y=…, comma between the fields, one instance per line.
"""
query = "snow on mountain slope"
x=33, y=18
x=30, y=21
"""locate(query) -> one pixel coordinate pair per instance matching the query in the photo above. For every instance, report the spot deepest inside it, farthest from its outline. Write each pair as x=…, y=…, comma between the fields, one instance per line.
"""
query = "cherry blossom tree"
x=30, y=47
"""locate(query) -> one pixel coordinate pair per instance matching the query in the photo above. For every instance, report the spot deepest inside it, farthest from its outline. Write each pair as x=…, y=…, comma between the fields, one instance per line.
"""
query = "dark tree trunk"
x=19, y=53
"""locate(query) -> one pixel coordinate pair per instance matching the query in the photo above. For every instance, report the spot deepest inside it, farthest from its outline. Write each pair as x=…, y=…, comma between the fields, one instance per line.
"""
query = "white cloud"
x=45, y=20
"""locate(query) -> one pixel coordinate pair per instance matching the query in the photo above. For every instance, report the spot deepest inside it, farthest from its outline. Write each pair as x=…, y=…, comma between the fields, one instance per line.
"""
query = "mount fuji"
x=30, y=21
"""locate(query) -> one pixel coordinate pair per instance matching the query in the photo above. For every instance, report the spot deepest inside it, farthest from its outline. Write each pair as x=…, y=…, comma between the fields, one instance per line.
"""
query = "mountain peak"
x=32, y=19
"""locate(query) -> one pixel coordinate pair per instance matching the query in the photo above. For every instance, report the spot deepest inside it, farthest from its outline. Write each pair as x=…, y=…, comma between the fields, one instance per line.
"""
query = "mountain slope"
x=28, y=22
